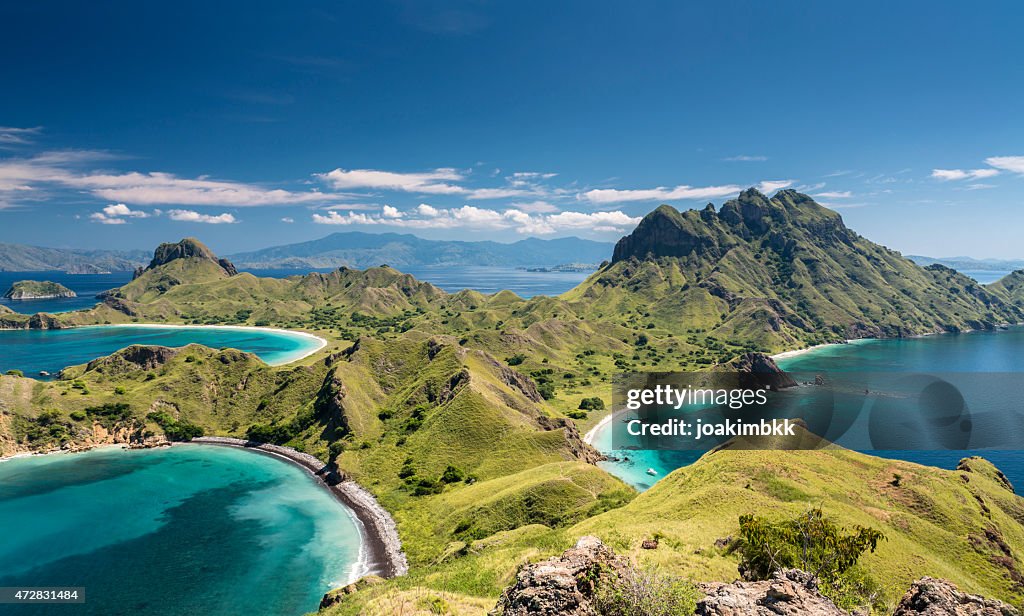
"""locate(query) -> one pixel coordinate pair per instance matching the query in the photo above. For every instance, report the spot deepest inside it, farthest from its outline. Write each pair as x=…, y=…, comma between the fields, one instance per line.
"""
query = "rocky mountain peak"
x=188, y=248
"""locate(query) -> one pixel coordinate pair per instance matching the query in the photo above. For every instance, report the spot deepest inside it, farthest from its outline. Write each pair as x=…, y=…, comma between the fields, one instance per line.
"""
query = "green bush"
x=175, y=429
x=546, y=390
x=515, y=360
x=591, y=404
x=452, y=475
x=813, y=543
x=15, y=373
x=335, y=449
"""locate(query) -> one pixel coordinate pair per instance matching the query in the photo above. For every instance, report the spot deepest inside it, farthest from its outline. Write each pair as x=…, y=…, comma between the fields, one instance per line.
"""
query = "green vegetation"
x=645, y=592
x=175, y=429
x=813, y=543
x=37, y=289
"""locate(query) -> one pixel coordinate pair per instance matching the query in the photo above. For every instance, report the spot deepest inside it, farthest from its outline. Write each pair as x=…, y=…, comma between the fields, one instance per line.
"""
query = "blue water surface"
x=189, y=530
x=994, y=355
x=50, y=350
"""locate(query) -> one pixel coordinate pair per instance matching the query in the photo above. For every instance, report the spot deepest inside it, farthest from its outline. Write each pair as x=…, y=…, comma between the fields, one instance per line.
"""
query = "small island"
x=38, y=289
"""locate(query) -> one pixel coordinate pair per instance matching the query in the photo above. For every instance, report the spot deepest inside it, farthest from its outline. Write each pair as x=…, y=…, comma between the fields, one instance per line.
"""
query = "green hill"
x=780, y=273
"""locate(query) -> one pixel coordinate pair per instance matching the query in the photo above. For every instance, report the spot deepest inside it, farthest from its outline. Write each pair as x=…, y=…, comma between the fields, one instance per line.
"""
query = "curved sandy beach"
x=320, y=342
x=380, y=551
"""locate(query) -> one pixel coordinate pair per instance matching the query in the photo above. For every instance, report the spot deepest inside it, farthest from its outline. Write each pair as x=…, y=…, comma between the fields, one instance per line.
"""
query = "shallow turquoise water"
x=192, y=529
x=53, y=349
x=983, y=361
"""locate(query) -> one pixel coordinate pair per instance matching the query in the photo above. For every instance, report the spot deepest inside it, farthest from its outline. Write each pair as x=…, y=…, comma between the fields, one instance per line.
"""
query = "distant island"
x=24, y=258
x=38, y=289
x=565, y=267
x=363, y=250
x=970, y=264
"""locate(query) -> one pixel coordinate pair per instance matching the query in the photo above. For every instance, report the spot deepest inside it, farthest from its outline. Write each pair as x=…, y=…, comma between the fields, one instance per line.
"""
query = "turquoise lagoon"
x=191, y=529
x=991, y=352
x=50, y=350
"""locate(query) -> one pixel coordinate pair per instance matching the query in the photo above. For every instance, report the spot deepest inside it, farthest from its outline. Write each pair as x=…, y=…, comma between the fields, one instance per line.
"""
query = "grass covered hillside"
x=963, y=525
x=780, y=273
x=457, y=445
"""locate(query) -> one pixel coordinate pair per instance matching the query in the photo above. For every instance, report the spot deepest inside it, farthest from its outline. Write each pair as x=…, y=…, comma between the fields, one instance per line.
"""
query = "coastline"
x=804, y=351
x=588, y=438
x=320, y=342
x=380, y=551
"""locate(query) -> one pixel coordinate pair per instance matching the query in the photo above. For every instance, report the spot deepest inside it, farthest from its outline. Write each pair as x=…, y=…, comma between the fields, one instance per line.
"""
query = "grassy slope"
x=946, y=524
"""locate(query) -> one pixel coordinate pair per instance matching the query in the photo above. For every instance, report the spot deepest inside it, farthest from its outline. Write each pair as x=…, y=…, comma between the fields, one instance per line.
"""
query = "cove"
x=991, y=352
x=190, y=529
x=50, y=350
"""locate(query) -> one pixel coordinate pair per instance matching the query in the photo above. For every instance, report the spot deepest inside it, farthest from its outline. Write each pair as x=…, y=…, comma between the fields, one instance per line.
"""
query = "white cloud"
x=611, y=195
x=101, y=218
x=469, y=217
x=352, y=218
x=120, y=209
x=979, y=186
x=1014, y=164
x=152, y=188
x=11, y=135
x=427, y=210
x=434, y=182
x=191, y=216
x=116, y=213
x=498, y=193
x=390, y=212
x=165, y=188
x=834, y=194
x=745, y=158
x=288, y=219
x=536, y=207
x=947, y=175
x=770, y=186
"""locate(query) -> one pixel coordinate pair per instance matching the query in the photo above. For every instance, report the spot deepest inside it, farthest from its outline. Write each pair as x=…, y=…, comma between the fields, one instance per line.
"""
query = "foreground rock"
x=788, y=593
x=943, y=598
x=563, y=585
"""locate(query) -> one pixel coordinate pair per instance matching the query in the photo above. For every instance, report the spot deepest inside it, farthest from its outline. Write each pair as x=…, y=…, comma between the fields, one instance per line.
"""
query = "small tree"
x=810, y=542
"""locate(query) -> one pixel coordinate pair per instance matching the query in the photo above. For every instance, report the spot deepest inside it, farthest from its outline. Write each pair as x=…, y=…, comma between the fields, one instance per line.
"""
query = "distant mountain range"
x=362, y=250
x=23, y=258
x=969, y=264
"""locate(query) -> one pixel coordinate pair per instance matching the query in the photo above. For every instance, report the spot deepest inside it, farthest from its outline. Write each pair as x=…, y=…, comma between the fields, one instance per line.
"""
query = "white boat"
x=651, y=471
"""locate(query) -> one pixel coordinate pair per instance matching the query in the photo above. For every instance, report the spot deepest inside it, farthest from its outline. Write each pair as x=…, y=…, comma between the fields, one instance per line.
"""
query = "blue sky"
x=252, y=124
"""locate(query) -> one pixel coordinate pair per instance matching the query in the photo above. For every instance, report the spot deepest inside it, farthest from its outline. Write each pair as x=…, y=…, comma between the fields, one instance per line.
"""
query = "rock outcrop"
x=788, y=593
x=564, y=585
x=761, y=370
x=942, y=598
x=188, y=248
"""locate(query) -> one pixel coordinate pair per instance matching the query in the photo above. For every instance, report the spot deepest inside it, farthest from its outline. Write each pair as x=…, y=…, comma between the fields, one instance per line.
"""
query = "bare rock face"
x=942, y=598
x=338, y=595
x=135, y=357
x=188, y=248
x=788, y=593
x=563, y=585
x=760, y=370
